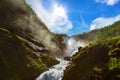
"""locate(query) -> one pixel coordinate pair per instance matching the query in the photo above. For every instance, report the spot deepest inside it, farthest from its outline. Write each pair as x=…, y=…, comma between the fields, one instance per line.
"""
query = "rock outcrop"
x=18, y=17
x=27, y=47
x=98, y=61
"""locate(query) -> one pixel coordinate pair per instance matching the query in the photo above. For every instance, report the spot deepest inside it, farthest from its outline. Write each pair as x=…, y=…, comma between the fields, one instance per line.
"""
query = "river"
x=55, y=72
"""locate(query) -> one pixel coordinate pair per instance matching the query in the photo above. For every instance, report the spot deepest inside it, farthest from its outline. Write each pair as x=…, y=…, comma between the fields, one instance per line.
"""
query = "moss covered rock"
x=22, y=36
x=98, y=61
x=48, y=59
x=19, y=62
x=17, y=17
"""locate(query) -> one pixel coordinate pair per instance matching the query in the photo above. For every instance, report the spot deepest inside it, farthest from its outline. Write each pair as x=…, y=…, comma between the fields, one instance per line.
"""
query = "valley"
x=30, y=51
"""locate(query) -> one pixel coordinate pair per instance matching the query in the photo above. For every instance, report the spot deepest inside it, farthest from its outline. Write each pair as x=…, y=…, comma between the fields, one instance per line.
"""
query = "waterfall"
x=72, y=45
x=54, y=72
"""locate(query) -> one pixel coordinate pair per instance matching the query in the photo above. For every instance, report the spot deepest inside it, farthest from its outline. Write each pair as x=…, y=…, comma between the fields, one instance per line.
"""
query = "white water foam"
x=72, y=45
x=55, y=72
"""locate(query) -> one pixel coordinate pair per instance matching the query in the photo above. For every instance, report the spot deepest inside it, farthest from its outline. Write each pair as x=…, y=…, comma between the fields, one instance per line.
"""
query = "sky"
x=76, y=16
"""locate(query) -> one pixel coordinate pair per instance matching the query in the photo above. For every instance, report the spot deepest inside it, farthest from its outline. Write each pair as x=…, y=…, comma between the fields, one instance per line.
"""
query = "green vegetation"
x=48, y=59
x=99, y=61
x=17, y=61
x=21, y=37
x=21, y=31
x=18, y=17
x=103, y=33
x=96, y=61
x=109, y=31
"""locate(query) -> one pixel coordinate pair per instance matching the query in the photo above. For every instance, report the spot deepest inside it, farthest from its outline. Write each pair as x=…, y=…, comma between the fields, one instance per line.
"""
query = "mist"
x=72, y=45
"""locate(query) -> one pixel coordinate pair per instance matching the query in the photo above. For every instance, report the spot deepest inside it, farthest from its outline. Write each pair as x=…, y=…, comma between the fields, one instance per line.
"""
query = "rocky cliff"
x=26, y=45
x=18, y=17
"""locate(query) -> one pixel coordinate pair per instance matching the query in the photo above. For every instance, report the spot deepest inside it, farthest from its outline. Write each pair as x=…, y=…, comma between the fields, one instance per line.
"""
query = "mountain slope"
x=18, y=17
x=26, y=45
x=16, y=59
x=98, y=34
x=99, y=61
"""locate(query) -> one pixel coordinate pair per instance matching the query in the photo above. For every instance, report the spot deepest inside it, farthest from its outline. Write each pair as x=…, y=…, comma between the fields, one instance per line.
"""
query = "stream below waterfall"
x=55, y=72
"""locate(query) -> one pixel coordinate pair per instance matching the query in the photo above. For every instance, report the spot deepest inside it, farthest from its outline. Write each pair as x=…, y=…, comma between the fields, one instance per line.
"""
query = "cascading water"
x=73, y=45
x=56, y=72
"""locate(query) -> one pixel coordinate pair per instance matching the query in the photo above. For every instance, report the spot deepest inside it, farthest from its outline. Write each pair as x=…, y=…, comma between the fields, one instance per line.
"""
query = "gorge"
x=30, y=51
x=56, y=72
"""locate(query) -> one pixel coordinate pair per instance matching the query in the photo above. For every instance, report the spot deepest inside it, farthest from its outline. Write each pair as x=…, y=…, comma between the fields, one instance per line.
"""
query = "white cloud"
x=56, y=18
x=108, y=2
x=103, y=21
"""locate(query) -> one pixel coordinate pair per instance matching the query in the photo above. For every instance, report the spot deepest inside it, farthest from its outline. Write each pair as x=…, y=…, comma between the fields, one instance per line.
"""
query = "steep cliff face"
x=26, y=45
x=18, y=61
x=18, y=17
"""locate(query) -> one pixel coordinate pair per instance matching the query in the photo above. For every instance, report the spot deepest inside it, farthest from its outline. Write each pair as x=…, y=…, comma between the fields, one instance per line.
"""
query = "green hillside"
x=27, y=47
x=18, y=61
x=99, y=61
x=103, y=33
x=16, y=16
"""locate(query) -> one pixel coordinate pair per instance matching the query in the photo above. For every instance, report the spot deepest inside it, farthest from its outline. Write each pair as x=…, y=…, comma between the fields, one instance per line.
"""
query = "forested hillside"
x=100, y=60
x=98, y=34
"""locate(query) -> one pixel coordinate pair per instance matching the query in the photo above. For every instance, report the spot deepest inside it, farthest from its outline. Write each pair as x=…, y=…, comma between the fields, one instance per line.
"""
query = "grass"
x=100, y=59
x=17, y=59
x=48, y=59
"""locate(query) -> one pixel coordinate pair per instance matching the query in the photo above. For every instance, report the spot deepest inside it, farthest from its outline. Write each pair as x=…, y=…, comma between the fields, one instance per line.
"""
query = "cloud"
x=103, y=21
x=55, y=18
x=108, y=2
